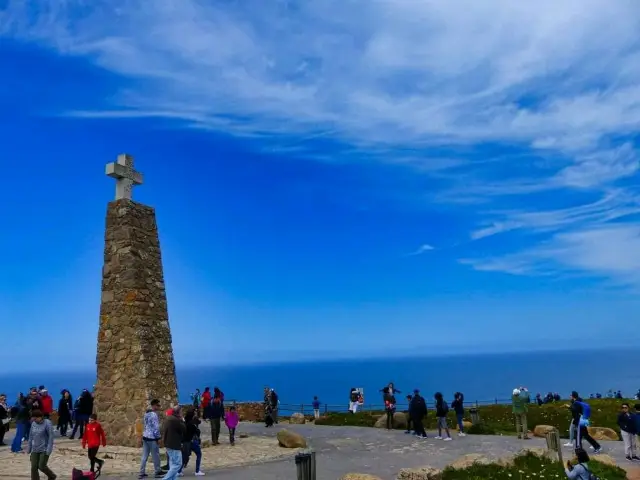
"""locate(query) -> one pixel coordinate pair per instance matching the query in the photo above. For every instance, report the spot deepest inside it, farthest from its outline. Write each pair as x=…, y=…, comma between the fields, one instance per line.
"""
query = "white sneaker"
x=568, y=444
x=438, y=438
x=199, y=474
x=462, y=434
x=448, y=439
x=591, y=447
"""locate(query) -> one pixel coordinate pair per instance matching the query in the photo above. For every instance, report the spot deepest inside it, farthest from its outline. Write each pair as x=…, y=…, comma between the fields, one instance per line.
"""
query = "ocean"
x=482, y=378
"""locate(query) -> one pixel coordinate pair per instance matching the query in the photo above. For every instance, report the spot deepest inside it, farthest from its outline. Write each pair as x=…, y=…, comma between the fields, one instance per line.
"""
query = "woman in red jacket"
x=206, y=400
x=46, y=403
x=92, y=439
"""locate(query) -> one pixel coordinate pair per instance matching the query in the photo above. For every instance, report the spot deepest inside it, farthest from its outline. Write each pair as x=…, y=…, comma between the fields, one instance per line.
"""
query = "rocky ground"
x=339, y=450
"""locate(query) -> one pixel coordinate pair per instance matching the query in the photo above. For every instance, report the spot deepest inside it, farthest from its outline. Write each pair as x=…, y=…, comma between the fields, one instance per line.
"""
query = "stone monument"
x=135, y=357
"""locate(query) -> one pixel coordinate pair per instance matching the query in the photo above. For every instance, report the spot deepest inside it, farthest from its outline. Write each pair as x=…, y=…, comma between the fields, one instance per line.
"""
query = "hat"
x=516, y=391
x=415, y=390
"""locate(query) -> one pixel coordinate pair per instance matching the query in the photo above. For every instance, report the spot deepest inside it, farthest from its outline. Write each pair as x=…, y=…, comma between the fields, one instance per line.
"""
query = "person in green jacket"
x=520, y=403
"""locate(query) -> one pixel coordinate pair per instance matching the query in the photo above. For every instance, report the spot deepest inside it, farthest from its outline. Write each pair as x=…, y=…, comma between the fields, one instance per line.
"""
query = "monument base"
x=135, y=361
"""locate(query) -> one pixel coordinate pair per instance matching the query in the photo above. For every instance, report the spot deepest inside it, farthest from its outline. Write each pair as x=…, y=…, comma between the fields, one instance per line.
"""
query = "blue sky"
x=462, y=174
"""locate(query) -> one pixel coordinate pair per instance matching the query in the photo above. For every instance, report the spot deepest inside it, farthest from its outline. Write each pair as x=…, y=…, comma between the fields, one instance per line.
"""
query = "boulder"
x=399, y=421
x=603, y=433
x=359, y=476
x=421, y=473
x=297, y=418
x=289, y=439
x=468, y=460
x=542, y=430
x=537, y=451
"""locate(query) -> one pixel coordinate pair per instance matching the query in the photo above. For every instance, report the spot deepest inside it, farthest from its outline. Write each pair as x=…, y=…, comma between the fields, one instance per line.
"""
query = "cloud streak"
x=552, y=84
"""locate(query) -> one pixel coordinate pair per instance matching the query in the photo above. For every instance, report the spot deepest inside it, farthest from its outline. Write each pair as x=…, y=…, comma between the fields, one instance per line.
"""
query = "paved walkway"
x=368, y=450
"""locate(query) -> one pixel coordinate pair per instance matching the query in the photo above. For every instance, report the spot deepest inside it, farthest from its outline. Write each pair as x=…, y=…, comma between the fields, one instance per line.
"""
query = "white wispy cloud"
x=422, y=249
x=559, y=81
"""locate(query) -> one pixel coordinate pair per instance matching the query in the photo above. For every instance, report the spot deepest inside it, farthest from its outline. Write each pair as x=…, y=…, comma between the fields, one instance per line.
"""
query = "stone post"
x=135, y=357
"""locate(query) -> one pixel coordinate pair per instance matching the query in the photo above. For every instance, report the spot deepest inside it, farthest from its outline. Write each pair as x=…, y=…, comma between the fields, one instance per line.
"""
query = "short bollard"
x=553, y=443
x=306, y=465
x=475, y=416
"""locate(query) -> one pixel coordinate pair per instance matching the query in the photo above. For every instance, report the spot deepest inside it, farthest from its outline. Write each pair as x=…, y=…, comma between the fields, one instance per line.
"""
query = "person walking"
x=93, y=437
x=275, y=403
x=520, y=407
x=628, y=431
x=231, y=419
x=173, y=431
x=409, y=415
x=23, y=415
x=150, y=438
x=458, y=408
x=83, y=409
x=581, y=412
x=40, y=445
x=442, y=409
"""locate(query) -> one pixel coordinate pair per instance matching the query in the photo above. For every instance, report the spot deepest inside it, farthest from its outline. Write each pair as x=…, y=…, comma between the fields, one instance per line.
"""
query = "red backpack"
x=80, y=475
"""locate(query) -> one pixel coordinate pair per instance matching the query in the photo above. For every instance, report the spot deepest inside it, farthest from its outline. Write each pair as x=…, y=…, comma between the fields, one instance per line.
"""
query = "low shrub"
x=499, y=418
x=528, y=466
x=480, y=429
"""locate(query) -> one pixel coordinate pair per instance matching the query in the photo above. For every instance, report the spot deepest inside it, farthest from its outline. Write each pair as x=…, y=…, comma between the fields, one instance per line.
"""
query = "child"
x=231, y=420
x=316, y=407
x=92, y=439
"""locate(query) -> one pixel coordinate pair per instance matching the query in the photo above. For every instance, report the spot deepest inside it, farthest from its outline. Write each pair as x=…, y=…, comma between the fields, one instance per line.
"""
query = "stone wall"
x=135, y=357
x=250, y=411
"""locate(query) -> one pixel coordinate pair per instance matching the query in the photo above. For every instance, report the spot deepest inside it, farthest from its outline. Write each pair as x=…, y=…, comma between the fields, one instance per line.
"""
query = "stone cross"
x=126, y=177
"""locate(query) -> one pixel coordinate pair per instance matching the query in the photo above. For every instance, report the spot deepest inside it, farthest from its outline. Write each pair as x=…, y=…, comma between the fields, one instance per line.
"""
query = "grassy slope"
x=498, y=418
x=529, y=466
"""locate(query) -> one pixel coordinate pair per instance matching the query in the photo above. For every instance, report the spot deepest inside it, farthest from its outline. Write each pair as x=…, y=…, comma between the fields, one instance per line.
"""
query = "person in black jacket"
x=441, y=413
x=458, y=406
x=215, y=413
x=4, y=418
x=627, y=424
x=409, y=418
x=417, y=412
x=65, y=409
x=83, y=412
x=582, y=432
x=191, y=441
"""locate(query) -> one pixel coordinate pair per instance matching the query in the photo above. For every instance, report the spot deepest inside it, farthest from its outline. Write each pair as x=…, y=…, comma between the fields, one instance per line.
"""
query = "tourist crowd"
x=181, y=437
x=179, y=433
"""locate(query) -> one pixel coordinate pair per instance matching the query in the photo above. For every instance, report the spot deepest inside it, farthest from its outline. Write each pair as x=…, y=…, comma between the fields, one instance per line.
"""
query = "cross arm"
x=117, y=171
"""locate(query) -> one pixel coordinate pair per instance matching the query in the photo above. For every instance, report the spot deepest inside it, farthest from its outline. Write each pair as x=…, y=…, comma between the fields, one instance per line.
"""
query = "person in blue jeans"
x=150, y=437
x=23, y=425
x=173, y=431
x=458, y=407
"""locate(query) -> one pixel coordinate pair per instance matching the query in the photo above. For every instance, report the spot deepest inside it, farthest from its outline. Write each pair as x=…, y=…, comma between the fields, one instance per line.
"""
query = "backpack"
x=80, y=475
x=591, y=476
x=586, y=410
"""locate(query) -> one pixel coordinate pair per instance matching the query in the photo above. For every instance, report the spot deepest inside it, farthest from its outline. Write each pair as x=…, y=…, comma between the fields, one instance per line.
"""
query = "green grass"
x=528, y=466
x=499, y=418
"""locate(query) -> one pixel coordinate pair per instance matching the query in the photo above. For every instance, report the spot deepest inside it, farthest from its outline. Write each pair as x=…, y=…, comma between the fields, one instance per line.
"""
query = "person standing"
x=275, y=402
x=150, y=438
x=215, y=414
x=83, y=411
x=458, y=408
x=65, y=409
x=417, y=412
x=205, y=402
x=93, y=437
x=40, y=445
x=5, y=418
x=23, y=415
x=173, y=431
x=627, y=425
x=46, y=402
x=520, y=407
x=316, y=408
